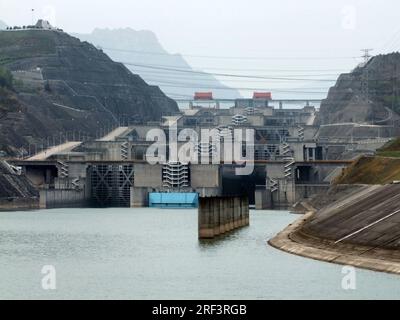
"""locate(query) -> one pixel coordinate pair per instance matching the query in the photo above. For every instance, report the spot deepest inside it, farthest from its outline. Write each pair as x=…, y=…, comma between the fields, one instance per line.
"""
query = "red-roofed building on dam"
x=205, y=96
x=262, y=96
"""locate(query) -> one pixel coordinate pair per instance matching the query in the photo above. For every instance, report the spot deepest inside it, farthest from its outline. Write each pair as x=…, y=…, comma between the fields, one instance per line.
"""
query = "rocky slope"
x=346, y=101
x=63, y=85
x=143, y=47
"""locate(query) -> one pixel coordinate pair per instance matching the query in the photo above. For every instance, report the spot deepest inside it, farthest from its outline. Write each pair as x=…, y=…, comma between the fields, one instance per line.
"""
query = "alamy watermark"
x=213, y=146
x=349, y=17
x=49, y=279
x=349, y=280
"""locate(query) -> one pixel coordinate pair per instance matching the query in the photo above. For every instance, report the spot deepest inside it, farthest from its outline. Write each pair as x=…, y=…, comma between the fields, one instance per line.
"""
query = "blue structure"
x=173, y=200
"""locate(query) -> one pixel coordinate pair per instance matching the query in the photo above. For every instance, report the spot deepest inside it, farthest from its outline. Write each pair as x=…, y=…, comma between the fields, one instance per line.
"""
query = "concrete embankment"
x=362, y=229
x=19, y=204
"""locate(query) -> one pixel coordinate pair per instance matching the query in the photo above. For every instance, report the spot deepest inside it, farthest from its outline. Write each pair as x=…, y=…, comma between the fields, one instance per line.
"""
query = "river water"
x=155, y=254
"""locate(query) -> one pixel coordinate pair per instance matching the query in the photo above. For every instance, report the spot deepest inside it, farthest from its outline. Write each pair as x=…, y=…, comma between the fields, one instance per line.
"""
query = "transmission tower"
x=365, y=76
x=366, y=55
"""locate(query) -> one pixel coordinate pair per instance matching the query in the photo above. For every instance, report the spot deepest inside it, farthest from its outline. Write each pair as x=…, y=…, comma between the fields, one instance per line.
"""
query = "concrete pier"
x=219, y=215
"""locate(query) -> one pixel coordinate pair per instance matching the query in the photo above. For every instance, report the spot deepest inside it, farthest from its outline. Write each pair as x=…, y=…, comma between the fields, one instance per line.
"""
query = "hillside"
x=346, y=101
x=391, y=149
x=62, y=85
x=143, y=47
x=371, y=170
x=381, y=169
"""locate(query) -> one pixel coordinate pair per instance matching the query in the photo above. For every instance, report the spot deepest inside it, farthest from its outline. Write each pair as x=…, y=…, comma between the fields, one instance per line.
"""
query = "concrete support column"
x=42, y=199
x=220, y=215
x=236, y=212
x=226, y=213
x=244, y=213
x=240, y=214
x=139, y=197
x=216, y=211
x=206, y=228
x=245, y=207
x=222, y=226
x=231, y=207
x=263, y=199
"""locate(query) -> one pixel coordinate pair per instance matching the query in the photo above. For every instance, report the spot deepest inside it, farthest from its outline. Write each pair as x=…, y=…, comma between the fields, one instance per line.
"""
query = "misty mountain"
x=143, y=48
x=2, y=25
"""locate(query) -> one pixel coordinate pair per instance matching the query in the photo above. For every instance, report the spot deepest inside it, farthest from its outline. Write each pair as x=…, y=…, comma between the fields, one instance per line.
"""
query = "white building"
x=44, y=24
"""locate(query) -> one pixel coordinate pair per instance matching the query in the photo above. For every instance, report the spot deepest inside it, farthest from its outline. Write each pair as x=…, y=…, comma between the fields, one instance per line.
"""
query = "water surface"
x=155, y=254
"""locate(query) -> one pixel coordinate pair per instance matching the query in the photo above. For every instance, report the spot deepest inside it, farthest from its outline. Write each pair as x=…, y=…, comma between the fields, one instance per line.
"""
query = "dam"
x=291, y=158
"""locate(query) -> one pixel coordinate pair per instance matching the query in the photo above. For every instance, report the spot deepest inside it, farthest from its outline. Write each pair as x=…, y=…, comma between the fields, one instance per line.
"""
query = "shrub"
x=6, y=78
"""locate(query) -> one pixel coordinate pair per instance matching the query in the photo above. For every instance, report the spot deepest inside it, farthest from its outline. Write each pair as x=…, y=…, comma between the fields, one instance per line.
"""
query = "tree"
x=47, y=86
x=6, y=78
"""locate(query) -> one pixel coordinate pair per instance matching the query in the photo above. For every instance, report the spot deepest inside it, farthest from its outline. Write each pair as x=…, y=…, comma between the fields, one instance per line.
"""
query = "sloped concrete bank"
x=360, y=230
x=292, y=240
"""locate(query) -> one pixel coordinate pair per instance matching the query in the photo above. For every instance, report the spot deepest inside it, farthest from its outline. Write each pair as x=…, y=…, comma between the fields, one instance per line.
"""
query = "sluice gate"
x=110, y=184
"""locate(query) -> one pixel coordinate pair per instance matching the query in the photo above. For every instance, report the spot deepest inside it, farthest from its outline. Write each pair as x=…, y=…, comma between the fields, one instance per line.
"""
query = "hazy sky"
x=304, y=35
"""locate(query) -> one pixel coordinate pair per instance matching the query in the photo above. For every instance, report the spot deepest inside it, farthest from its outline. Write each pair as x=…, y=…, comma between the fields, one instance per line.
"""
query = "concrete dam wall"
x=59, y=198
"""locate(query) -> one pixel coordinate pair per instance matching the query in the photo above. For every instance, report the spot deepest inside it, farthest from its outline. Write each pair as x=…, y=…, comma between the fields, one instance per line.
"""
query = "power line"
x=224, y=74
x=273, y=70
x=205, y=81
x=156, y=77
x=174, y=85
x=227, y=57
x=162, y=72
x=389, y=44
x=241, y=75
x=187, y=85
x=246, y=69
x=200, y=83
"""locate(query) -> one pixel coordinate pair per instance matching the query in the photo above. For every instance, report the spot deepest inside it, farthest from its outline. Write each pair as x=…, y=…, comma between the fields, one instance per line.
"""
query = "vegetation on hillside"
x=28, y=44
x=391, y=149
x=6, y=78
x=381, y=169
x=371, y=170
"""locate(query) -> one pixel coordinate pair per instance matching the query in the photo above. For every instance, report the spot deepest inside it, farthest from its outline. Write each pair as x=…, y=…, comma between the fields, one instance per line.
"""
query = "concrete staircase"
x=64, y=169
x=273, y=185
x=289, y=166
x=124, y=151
